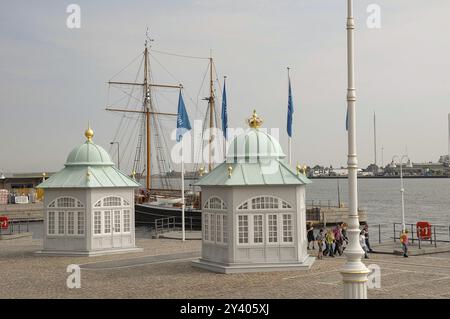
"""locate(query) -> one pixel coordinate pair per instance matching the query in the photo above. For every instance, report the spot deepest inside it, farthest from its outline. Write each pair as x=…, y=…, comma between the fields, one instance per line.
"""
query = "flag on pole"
x=290, y=111
x=224, y=111
x=183, y=124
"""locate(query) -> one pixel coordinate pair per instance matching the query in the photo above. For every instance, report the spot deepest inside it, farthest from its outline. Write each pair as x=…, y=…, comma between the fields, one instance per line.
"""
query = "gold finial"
x=230, y=171
x=89, y=133
x=255, y=121
x=298, y=167
x=133, y=174
x=201, y=171
x=304, y=169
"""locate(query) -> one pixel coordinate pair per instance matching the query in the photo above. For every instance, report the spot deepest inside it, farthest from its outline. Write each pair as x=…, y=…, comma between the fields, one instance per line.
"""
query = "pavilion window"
x=258, y=230
x=219, y=233
x=273, y=228
x=80, y=223
x=212, y=227
x=70, y=223
x=243, y=229
x=107, y=221
x=65, y=202
x=97, y=223
x=126, y=221
x=287, y=228
x=61, y=223
x=224, y=228
x=206, y=227
x=117, y=221
x=51, y=223
x=112, y=201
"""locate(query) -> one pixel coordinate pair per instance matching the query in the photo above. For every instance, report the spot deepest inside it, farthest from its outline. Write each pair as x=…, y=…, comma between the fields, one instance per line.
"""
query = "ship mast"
x=211, y=106
x=147, y=108
x=147, y=116
x=211, y=112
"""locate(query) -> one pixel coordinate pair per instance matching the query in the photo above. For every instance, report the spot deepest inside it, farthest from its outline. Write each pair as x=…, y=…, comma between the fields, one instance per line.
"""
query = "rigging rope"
x=181, y=55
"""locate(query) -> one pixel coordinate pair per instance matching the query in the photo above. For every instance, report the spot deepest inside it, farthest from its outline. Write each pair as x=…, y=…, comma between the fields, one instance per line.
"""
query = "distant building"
x=253, y=209
x=88, y=205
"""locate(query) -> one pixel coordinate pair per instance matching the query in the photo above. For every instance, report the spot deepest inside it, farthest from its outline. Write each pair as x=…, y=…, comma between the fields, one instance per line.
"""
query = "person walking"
x=405, y=242
x=362, y=241
x=310, y=235
x=320, y=238
x=329, y=240
x=338, y=240
x=366, y=235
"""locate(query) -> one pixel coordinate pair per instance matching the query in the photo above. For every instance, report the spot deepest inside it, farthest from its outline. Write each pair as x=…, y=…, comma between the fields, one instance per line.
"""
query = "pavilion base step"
x=253, y=267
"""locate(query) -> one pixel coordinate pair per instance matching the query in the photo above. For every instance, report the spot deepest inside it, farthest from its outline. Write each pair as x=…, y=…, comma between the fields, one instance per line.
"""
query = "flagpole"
x=182, y=194
x=354, y=272
x=225, y=131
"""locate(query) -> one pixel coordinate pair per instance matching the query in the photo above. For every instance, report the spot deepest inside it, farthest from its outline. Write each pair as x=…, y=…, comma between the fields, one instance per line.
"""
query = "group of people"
x=334, y=241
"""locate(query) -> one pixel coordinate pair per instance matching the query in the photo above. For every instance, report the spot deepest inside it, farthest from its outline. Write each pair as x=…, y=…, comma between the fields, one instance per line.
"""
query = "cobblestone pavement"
x=24, y=275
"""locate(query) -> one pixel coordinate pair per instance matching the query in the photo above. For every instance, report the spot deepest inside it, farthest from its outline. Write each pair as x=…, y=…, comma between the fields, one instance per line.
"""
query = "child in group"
x=320, y=239
x=362, y=241
x=329, y=240
x=405, y=241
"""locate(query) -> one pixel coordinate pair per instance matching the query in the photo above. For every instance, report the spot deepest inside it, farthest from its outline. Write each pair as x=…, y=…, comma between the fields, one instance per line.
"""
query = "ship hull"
x=147, y=214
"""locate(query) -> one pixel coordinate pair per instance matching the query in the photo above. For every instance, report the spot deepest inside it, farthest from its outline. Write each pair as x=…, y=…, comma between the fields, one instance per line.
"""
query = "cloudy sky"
x=53, y=79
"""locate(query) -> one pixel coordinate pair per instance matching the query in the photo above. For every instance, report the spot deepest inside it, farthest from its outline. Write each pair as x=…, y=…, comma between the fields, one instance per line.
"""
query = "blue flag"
x=183, y=124
x=224, y=111
x=290, y=111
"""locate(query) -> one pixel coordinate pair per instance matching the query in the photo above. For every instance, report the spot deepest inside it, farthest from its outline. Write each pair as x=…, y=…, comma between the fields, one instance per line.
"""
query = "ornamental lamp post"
x=354, y=272
x=402, y=189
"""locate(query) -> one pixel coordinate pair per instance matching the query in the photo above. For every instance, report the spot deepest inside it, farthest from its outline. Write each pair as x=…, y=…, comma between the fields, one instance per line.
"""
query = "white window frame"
x=252, y=225
x=77, y=209
x=238, y=230
x=291, y=219
x=123, y=208
x=247, y=204
x=267, y=227
x=207, y=204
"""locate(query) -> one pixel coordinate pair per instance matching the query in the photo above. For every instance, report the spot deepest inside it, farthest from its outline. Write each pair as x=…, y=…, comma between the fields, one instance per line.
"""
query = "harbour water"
x=425, y=199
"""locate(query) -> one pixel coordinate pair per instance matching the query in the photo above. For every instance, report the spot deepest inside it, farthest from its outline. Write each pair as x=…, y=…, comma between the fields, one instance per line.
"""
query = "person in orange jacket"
x=405, y=242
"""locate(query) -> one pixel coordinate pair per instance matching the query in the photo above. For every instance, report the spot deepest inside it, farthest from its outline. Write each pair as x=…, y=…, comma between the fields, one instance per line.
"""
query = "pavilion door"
x=116, y=233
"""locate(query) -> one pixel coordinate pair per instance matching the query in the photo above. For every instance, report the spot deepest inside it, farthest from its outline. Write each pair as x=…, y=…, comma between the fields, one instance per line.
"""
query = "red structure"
x=423, y=230
x=4, y=222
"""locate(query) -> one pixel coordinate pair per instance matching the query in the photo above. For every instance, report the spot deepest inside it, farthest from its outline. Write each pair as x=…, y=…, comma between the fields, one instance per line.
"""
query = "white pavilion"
x=88, y=205
x=253, y=209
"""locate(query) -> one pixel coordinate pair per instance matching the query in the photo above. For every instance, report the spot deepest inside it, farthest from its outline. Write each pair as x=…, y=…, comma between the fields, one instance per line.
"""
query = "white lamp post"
x=402, y=189
x=354, y=272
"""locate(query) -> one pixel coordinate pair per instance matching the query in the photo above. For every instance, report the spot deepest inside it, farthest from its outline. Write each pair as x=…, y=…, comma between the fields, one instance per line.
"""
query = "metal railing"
x=382, y=233
x=172, y=223
x=321, y=203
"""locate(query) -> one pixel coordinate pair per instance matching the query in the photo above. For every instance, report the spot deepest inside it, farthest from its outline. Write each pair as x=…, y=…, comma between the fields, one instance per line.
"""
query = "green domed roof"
x=254, y=158
x=253, y=144
x=88, y=166
x=90, y=154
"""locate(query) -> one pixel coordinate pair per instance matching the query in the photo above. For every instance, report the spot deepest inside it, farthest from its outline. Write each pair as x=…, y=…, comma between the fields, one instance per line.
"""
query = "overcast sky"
x=53, y=79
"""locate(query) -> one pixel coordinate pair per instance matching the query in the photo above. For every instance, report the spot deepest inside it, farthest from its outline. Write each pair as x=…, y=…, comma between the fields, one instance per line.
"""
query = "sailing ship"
x=158, y=198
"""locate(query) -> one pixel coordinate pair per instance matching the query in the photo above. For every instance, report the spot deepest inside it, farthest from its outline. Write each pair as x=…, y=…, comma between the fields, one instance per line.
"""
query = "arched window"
x=111, y=215
x=111, y=201
x=65, y=217
x=66, y=202
x=215, y=203
x=264, y=202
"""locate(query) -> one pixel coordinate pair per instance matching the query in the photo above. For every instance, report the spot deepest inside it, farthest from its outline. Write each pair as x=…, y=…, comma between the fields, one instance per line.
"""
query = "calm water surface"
x=425, y=199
